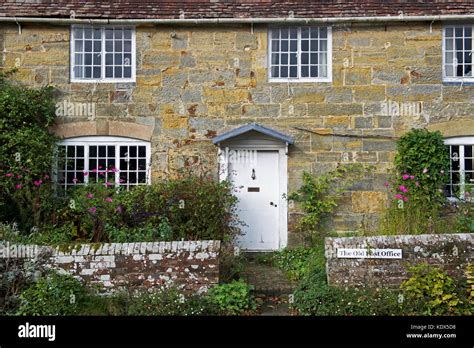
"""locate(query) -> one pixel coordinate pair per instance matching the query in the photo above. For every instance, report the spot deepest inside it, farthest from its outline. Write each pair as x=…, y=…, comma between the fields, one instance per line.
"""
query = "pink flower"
x=403, y=188
x=46, y=176
x=405, y=199
x=19, y=176
x=425, y=170
x=93, y=210
x=38, y=182
x=18, y=186
x=405, y=176
x=94, y=170
x=100, y=167
x=412, y=177
x=85, y=173
x=114, y=170
x=90, y=195
x=75, y=180
x=385, y=184
x=121, y=180
x=9, y=175
x=108, y=184
x=398, y=196
x=108, y=199
x=119, y=209
x=417, y=184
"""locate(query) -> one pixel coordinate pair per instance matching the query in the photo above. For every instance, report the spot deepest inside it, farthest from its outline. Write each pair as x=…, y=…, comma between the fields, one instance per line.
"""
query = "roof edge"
x=268, y=20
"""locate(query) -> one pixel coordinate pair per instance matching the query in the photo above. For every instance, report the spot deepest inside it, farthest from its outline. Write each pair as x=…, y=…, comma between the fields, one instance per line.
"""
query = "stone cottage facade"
x=150, y=87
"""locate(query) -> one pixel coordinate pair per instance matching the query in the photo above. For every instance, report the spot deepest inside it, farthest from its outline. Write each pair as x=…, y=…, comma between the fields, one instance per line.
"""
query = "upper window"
x=300, y=54
x=113, y=160
x=461, y=170
x=102, y=54
x=457, y=55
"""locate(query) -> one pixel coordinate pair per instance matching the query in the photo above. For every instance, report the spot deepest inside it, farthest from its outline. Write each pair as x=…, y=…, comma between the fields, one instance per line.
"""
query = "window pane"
x=275, y=46
x=97, y=33
x=305, y=32
x=78, y=72
x=109, y=59
x=127, y=72
x=284, y=71
x=78, y=33
x=88, y=33
x=293, y=71
x=96, y=72
x=304, y=71
x=275, y=71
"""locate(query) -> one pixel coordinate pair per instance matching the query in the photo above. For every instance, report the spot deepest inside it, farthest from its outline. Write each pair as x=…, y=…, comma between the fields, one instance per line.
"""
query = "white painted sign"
x=369, y=253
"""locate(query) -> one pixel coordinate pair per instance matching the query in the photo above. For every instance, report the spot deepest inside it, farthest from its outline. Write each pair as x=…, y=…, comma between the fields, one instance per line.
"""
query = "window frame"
x=443, y=54
x=459, y=141
x=73, y=79
x=271, y=79
x=116, y=141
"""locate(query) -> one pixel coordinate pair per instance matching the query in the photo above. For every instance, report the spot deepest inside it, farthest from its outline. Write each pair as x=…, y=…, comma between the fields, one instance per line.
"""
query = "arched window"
x=120, y=161
x=461, y=169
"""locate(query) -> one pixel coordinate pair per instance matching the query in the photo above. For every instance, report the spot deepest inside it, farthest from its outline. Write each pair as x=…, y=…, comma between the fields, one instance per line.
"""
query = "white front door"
x=255, y=179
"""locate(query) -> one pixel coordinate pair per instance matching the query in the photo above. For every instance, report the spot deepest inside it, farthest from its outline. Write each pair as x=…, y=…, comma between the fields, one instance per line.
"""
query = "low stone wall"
x=451, y=252
x=190, y=265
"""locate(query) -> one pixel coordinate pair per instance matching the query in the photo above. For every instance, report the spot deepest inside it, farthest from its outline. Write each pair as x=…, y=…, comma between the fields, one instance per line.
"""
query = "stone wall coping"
x=210, y=246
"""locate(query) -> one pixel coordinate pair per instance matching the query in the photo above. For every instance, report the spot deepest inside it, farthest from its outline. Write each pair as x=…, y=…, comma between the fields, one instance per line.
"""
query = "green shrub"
x=54, y=294
x=423, y=154
x=297, y=262
x=234, y=298
x=319, y=195
x=26, y=154
x=170, y=302
x=430, y=291
x=315, y=297
x=196, y=208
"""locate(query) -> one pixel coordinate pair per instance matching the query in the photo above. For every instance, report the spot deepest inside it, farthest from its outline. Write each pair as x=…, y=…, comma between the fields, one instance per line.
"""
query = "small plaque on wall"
x=369, y=253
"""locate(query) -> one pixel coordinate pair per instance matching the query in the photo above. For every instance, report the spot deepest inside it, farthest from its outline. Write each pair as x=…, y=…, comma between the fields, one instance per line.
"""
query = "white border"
x=102, y=80
x=282, y=184
x=300, y=80
x=443, y=54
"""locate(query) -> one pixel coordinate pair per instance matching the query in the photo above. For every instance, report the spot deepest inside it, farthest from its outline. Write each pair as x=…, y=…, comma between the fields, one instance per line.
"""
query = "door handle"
x=273, y=204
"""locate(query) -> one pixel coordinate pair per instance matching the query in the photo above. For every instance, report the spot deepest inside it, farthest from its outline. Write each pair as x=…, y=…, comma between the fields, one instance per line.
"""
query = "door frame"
x=282, y=149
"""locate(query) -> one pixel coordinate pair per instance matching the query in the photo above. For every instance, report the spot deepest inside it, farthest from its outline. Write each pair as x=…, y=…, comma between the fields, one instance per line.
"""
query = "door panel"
x=256, y=184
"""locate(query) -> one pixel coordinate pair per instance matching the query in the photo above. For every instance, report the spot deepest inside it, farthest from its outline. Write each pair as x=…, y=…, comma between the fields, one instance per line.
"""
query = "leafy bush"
x=314, y=296
x=170, y=302
x=297, y=262
x=319, y=195
x=26, y=154
x=234, y=298
x=52, y=295
x=417, y=196
x=430, y=291
x=195, y=208
x=423, y=154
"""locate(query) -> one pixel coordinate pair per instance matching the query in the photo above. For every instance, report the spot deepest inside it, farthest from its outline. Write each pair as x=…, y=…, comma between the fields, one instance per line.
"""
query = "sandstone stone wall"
x=192, y=266
x=193, y=81
x=451, y=252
